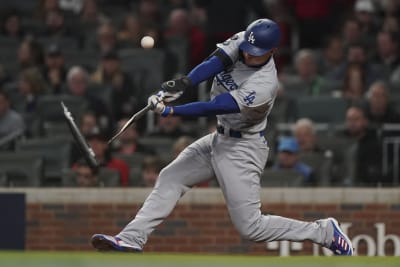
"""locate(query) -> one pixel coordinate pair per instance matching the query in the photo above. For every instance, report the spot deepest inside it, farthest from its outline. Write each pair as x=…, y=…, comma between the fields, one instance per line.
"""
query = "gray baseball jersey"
x=237, y=163
x=254, y=89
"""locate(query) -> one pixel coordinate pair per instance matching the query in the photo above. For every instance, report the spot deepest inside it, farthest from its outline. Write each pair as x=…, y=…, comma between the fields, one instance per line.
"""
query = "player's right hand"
x=156, y=103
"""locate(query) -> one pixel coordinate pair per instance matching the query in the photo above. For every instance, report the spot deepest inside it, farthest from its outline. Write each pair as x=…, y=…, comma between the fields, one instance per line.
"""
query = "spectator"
x=288, y=158
x=306, y=81
x=181, y=26
x=29, y=54
x=97, y=140
x=304, y=131
x=378, y=109
x=55, y=26
x=11, y=122
x=389, y=7
x=78, y=85
x=285, y=109
x=369, y=149
x=12, y=27
x=151, y=167
x=31, y=86
x=54, y=70
x=365, y=15
x=129, y=142
x=332, y=57
x=356, y=55
x=388, y=52
x=313, y=18
x=122, y=90
x=351, y=32
x=354, y=84
x=180, y=144
x=44, y=7
x=131, y=32
x=391, y=24
x=150, y=13
x=85, y=176
x=88, y=122
x=170, y=126
x=90, y=15
x=106, y=38
x=71, y=6
x=223, y=18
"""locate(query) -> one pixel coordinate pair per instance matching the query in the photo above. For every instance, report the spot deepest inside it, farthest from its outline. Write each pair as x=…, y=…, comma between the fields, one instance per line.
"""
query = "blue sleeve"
x=221, y=104
x=208, y=68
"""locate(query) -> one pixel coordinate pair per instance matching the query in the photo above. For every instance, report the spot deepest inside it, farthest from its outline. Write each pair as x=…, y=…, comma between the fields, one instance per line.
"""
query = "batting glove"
x=157, y=105
x=170, y=96
x=173, y=89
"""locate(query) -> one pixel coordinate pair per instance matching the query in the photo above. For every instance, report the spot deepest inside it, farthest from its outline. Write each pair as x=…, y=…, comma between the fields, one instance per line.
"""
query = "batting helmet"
x=261, y=36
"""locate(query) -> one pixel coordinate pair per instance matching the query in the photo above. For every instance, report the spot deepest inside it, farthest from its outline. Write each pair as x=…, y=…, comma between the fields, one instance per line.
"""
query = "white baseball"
x=147, y=42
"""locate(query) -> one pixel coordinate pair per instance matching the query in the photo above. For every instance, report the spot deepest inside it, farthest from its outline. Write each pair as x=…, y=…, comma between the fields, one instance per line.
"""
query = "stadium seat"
x=134, y=162
x=179, y=48
x=56, y=152
x=107, y=178
x=56, y=128
x=146, y=68
x=87, y=59
x=339, y=147
x=8, y=54
x=49, y=108
x=162, y=145
x=322, y=109
x=321, y=163
x=62, y=42
x=21, y=168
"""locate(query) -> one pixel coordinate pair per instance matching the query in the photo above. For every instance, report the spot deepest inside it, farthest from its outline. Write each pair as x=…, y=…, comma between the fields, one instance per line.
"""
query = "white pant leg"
x=238, y=165
x=192, y=166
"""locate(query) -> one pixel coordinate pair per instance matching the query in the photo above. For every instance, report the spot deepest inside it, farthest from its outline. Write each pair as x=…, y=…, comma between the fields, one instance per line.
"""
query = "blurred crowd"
x=335, y=121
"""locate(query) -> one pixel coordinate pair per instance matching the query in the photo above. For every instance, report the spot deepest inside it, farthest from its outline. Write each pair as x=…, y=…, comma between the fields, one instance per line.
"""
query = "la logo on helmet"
x=251, y=38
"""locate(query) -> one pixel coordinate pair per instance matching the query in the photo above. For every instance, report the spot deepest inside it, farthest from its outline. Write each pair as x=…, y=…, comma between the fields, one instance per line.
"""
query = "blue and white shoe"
x=111, y=243
x=341, y=244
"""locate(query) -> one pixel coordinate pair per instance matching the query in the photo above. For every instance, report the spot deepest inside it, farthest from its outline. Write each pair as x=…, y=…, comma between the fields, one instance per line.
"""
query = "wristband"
x=167, y=111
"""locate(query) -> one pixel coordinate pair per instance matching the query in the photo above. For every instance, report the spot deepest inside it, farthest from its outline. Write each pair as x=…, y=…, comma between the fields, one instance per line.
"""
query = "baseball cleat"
x=341, y=244
x=110, y=243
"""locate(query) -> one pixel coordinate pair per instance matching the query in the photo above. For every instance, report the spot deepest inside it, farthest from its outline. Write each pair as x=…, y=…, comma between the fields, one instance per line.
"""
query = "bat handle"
x=133, y=119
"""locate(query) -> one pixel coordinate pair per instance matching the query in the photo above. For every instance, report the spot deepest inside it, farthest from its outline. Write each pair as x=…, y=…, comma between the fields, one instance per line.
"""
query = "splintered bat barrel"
x=84, y=148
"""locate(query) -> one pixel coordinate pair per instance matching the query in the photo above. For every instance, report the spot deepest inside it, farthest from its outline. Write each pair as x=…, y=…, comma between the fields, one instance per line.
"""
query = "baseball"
x=147, y=42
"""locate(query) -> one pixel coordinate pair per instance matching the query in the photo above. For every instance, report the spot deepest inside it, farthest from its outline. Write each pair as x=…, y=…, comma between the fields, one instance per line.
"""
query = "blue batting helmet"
x=261, y=36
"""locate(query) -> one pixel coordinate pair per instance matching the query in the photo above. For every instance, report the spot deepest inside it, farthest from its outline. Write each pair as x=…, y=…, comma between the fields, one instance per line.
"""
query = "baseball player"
x=242, y=95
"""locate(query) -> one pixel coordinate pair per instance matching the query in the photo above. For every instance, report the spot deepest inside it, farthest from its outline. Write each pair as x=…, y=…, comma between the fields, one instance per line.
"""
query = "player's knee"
x=167, y=179
x=249, y=232
x=248, y=225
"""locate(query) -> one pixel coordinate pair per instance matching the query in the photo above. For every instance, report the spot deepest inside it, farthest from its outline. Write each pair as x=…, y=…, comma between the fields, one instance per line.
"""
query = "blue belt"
x=233, y=133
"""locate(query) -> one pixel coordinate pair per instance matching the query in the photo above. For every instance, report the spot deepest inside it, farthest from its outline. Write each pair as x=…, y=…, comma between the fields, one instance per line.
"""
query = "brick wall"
x=199, y=226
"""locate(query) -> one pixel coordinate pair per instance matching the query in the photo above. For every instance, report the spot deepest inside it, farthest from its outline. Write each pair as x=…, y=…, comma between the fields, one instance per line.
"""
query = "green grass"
x=94, y=259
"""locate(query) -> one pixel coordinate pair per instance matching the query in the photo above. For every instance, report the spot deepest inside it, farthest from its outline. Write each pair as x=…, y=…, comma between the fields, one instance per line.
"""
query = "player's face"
x=250, y=60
